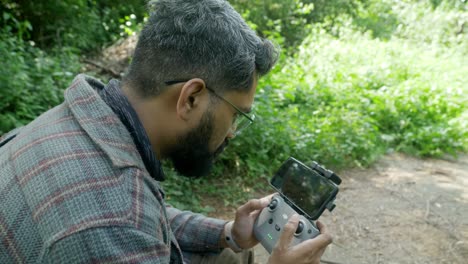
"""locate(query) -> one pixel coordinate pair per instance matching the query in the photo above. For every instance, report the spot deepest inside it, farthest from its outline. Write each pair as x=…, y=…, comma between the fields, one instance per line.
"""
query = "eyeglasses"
x=242, y=119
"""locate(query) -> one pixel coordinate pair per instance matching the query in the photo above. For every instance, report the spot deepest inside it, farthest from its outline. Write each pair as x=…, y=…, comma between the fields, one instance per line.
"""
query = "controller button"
x=277, y=228
x=270, y=221
x=300, y=228
x=273, y=204
x=309, y=231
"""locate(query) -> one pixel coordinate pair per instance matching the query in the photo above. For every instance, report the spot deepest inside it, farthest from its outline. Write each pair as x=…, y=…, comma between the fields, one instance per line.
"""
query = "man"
x=80, y=184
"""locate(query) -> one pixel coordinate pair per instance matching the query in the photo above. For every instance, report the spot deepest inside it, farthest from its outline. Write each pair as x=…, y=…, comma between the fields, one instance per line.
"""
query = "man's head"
x=197, y=63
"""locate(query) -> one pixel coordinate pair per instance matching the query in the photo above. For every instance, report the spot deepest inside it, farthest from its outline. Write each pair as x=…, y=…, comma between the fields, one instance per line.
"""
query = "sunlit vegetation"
x=356, y=79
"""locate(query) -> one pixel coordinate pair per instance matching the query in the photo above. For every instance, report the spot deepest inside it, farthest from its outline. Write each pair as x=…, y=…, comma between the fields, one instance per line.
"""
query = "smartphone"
x=306, y=189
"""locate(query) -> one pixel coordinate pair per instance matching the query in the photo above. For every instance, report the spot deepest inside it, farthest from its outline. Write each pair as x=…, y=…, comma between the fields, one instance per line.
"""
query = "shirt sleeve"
x=195, y=232
x=108, y=245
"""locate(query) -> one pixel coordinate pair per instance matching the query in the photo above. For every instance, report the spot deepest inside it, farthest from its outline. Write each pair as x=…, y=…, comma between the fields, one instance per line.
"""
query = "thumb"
x=288, y=232
x=250, y=206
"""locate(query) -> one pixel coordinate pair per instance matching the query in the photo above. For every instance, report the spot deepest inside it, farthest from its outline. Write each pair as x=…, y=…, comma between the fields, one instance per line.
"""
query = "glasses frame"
x=235, y=130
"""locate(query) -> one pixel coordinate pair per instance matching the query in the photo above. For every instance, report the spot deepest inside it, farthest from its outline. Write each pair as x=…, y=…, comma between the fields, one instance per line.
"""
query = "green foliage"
x=359, y=78
x=378, y=17
x=180, y=192
x=442, y=23
x=443, y=26
x=184, y=193
x=289, y=21
x=130, y=25
x=346, y=97
x=81, y=24
x=32, y=80
x=40, y=43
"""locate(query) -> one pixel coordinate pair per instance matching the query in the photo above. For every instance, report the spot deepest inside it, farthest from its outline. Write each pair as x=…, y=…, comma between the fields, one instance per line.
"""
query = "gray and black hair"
x=205, y=39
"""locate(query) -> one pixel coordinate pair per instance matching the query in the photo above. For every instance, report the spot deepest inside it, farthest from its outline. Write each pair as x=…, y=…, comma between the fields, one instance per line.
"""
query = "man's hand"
x=309, y=251
x=242, y=229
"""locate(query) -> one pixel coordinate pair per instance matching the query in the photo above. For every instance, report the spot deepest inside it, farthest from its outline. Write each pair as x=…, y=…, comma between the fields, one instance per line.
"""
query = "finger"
x=288, y=232
x=313, y=247
x=325, y=235
x=269, y=197
x=319, y=242
x=266, y=200
x=319, y=254
x=322, y=227
x=322, y=240
x=255, y=214
x=251, y=206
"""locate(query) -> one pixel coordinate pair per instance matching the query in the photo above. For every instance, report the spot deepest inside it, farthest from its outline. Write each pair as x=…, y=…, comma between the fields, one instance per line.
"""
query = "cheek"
x=220, y=132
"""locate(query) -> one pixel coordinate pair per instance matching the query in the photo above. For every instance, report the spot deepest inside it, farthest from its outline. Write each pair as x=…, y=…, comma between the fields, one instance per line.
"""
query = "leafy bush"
x=346, y=100
x=441, y=25
x=289, y=21
x=41, y=43
x=81, y=24
x=180, y=192
x=31, y=81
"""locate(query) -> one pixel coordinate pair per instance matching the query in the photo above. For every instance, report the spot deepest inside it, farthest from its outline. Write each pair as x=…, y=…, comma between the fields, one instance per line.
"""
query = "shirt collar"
x=118, y=102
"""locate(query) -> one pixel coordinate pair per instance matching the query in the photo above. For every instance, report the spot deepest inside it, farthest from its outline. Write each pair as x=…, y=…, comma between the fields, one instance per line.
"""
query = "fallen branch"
x=428, y=210
x=329, y=262
x=108, y=70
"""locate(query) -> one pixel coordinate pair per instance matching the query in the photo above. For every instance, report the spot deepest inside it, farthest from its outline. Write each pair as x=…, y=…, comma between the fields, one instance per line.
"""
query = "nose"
x=231, y=134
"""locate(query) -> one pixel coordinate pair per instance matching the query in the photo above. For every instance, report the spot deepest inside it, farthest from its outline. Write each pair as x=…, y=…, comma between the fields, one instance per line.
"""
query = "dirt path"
x=401, y=210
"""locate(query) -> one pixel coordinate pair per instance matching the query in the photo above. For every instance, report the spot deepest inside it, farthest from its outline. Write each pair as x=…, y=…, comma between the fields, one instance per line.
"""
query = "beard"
x=191, y=157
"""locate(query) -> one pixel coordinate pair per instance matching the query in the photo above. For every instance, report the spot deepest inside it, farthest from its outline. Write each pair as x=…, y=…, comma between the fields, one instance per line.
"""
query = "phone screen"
x=304, y=187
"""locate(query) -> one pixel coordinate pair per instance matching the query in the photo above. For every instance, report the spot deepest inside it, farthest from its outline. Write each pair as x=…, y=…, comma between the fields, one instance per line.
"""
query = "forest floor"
x=400, y=210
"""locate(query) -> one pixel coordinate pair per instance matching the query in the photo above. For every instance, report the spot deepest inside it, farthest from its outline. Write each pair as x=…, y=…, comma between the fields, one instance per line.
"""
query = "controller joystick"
x=273, y=205
x=300, y=228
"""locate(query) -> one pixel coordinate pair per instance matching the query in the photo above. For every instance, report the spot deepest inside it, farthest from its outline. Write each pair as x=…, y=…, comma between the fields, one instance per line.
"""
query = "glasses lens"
x=241, y=123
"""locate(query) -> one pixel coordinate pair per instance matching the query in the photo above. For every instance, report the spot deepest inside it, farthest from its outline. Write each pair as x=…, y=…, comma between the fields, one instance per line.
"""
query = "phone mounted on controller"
x=305, y=190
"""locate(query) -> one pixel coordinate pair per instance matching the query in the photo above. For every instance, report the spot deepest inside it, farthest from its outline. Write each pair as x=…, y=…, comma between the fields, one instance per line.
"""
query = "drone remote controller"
x=272, y=219
x=302, y=190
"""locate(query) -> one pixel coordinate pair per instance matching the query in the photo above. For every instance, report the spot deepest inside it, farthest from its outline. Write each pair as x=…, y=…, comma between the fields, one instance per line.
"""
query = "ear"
x=191, y=97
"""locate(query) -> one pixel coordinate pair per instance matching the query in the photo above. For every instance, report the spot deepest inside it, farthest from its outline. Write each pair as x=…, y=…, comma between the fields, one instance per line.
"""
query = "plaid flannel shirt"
x=73, y=189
